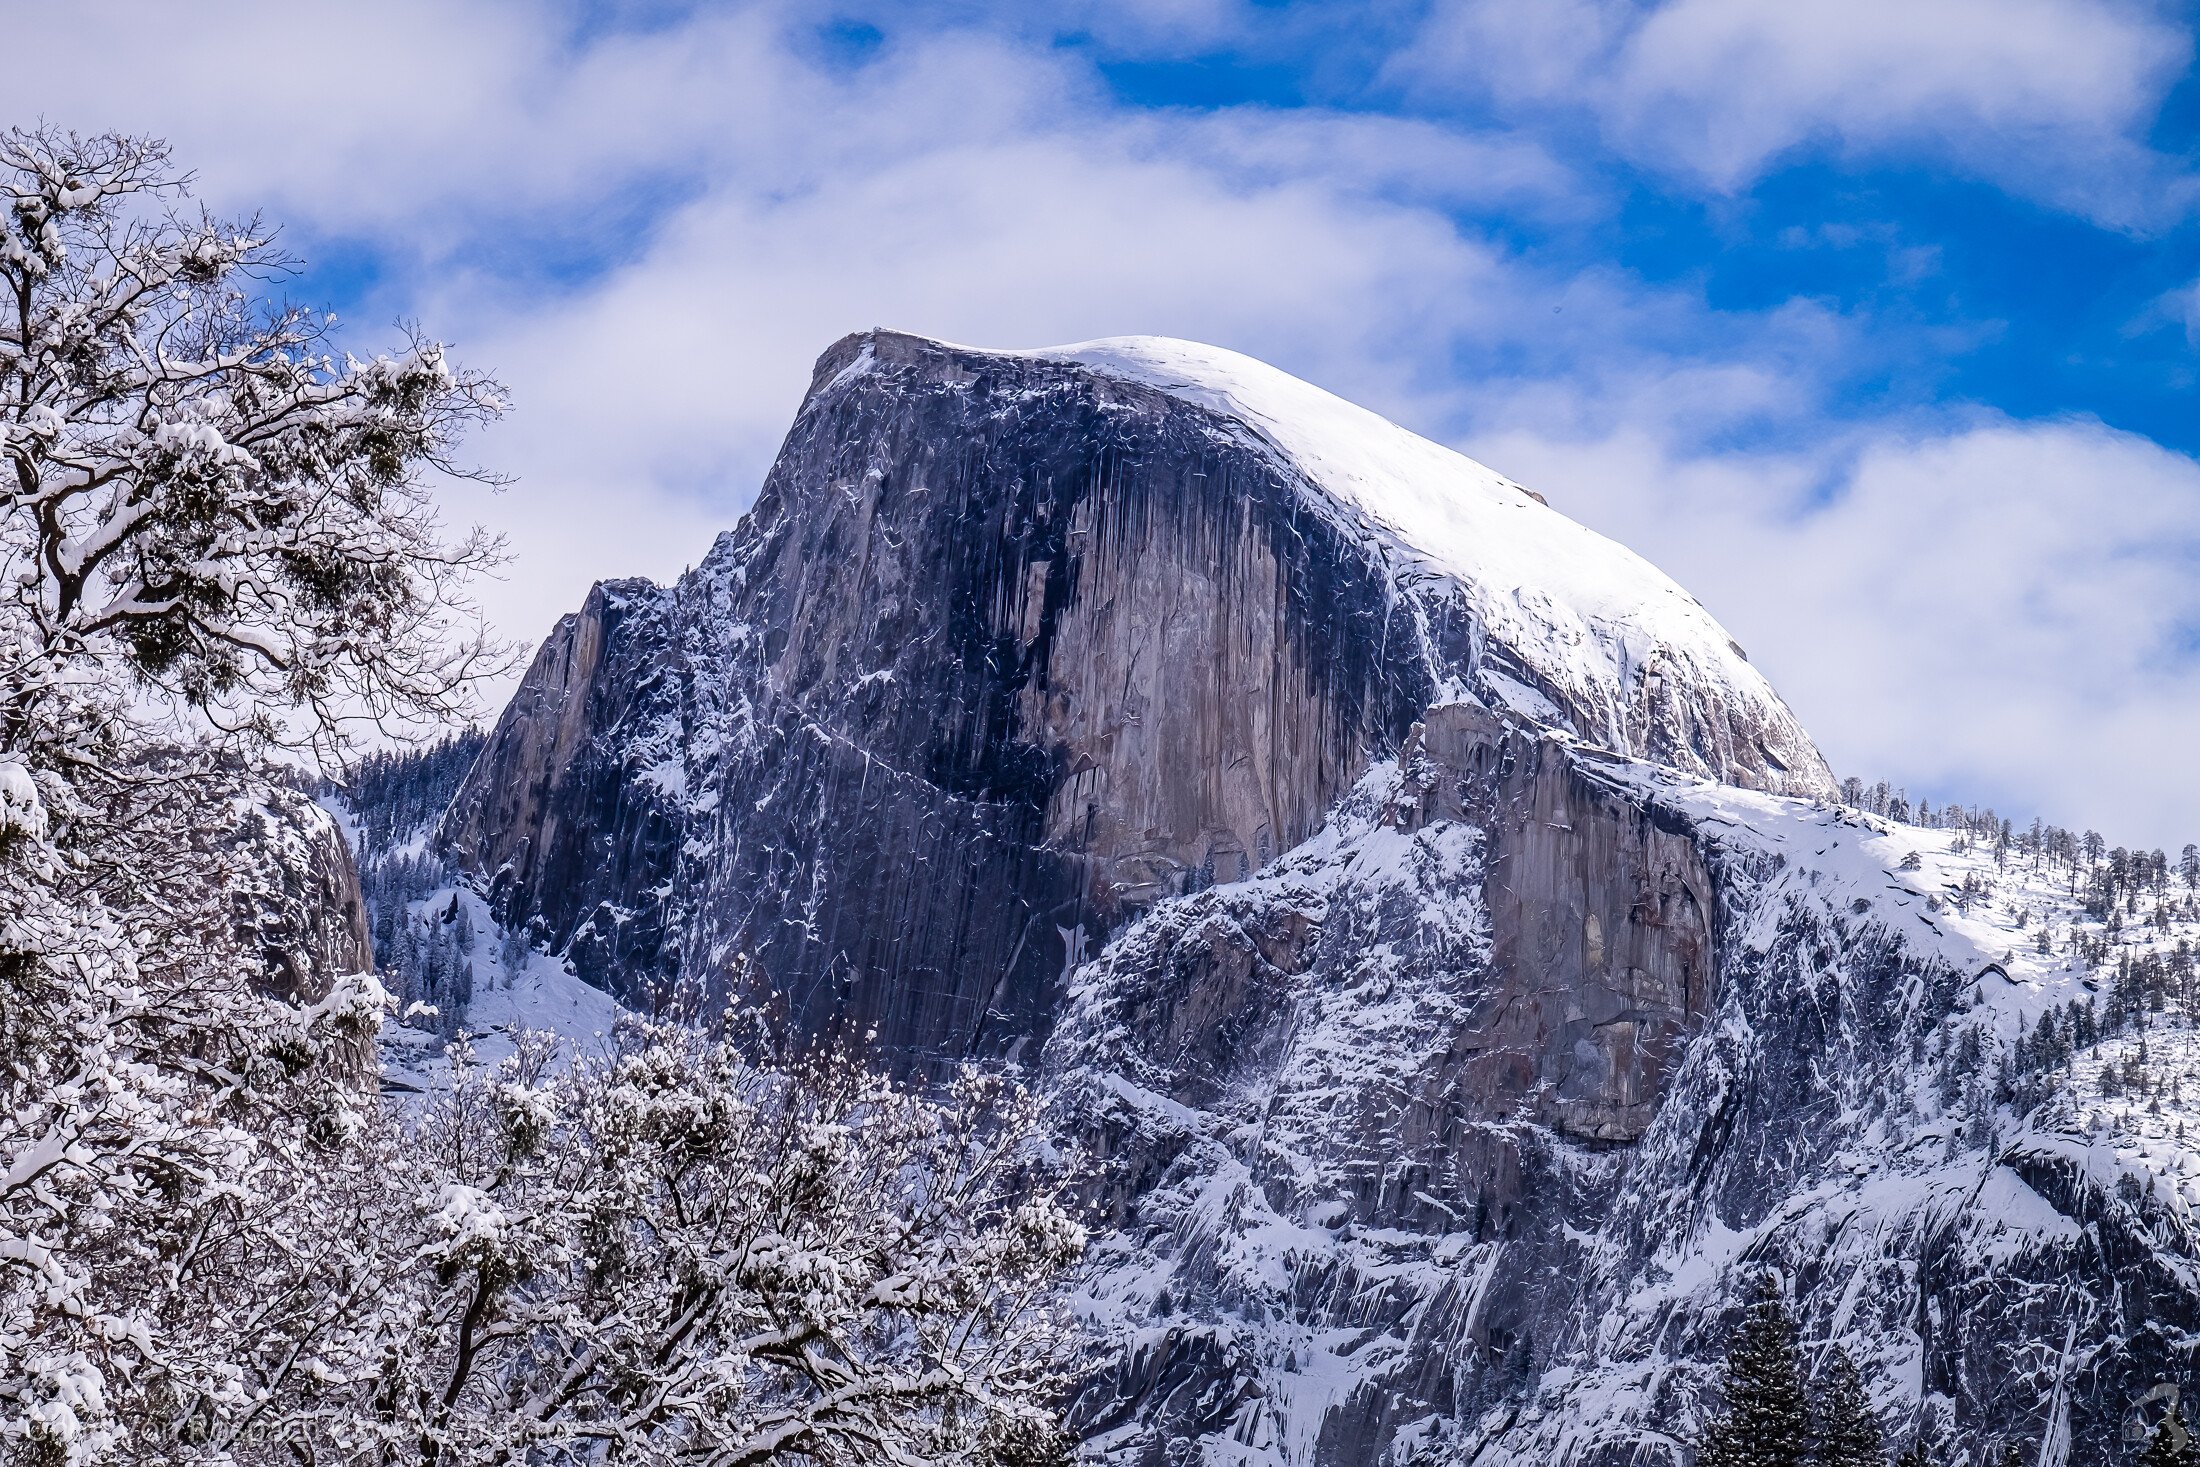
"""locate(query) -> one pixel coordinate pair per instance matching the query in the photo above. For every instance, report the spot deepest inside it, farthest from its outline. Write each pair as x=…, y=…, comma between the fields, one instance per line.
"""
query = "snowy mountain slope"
x=436, y=945
x=514, y=990
x=1336, y=1243
x=1963, y=1228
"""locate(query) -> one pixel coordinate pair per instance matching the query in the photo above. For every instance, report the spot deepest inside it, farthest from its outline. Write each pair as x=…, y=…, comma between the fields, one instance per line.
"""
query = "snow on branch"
x=667, y=1253
x=195, y=484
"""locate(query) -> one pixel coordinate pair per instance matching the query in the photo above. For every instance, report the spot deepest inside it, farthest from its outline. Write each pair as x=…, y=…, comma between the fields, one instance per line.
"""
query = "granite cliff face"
x=1011, y=648
x=1458, y=1133
x=1436, y=925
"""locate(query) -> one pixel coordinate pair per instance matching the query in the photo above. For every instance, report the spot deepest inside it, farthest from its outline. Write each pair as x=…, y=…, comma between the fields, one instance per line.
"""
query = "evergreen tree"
x=1912, y=1456
x=2171, y=1444
x=1767, y=1420
x=437, y=965
x=2012, y=1455
x=1844, y=1432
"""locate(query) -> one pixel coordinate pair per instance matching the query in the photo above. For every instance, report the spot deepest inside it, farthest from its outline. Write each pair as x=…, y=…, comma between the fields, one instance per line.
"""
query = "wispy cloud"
x=2181, y=306
x=2050, y=98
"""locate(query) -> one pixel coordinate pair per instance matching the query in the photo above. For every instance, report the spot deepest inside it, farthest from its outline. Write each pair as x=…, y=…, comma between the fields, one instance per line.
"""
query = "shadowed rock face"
x=1375, y=1093
x=1008, y=650
x=304, y=916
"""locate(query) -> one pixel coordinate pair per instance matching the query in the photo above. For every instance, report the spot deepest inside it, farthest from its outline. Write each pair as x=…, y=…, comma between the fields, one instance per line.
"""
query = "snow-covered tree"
x=194, y=486
x=668, y=1254
x=213, y=533
x=1767, y=1420
x=166, y=1101
x=1845, y=1432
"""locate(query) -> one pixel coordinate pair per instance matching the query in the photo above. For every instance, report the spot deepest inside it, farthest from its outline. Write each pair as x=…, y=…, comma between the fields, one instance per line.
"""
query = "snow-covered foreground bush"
x=668, y=1254
x=216, y=1243
x=162, y=1116
x=213, y=536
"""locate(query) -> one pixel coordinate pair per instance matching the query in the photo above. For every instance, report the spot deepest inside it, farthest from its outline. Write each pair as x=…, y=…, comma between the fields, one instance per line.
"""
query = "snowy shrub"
x=666, y=1253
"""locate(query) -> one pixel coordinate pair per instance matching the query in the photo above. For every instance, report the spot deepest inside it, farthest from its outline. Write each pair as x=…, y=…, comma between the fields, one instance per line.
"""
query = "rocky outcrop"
x=300, y=915
x=1011, y=648
x=1460, y=1133
x=1600, y=913
x=1373, y=1096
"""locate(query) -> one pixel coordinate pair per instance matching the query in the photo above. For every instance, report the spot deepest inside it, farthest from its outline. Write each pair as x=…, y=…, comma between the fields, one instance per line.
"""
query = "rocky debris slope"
x=1014, y=646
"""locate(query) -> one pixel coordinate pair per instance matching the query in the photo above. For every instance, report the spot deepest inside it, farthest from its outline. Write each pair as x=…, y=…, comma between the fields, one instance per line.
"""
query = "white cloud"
x=958, y=185
x=2181, y=306
x=1390, y=157
x=2051, y=98
x=672, y=379
x=1999, y=611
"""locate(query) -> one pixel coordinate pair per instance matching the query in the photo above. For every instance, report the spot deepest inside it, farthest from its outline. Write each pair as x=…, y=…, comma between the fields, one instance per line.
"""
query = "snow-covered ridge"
x=1595, y=619
x=1929, y=1092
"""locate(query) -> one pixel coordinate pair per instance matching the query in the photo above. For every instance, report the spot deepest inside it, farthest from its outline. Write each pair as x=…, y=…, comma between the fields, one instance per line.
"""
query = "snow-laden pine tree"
x=1766, y=1420
x=1845, y=1432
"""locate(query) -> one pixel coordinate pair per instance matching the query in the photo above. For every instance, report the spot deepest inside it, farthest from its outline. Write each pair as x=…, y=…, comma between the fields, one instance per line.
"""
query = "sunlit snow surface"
x=538, y=993
x=1591, y=615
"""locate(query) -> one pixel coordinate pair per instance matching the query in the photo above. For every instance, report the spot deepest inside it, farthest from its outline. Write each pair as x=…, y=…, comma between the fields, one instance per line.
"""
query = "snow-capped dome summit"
x=1610, y=645
x=1325, y=823
x=1092, y=626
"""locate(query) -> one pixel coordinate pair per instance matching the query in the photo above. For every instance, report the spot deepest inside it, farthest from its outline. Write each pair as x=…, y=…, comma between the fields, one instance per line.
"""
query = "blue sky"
x=1873, y=322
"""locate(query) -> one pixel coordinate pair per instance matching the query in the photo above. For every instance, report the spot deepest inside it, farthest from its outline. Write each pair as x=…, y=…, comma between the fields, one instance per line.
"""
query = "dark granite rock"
x=1007, y=651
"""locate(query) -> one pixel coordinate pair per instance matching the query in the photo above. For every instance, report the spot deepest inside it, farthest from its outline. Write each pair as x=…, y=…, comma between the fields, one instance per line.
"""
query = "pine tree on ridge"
x=1844, y=1431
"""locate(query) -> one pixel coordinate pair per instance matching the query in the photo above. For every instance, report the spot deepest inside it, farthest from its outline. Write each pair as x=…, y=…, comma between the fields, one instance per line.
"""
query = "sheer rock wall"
x=1449, y=1072
x=1007, y=651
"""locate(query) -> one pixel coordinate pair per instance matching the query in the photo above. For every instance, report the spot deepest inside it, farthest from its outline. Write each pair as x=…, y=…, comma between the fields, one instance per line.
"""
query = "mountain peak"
x=1589, y=637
